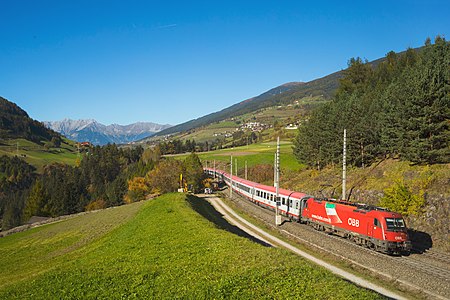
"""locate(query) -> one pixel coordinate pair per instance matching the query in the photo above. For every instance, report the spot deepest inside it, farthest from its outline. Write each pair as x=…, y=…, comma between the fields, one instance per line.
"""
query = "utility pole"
x=277, y=184
x=231, y=176
x=275, y=170
x=236, y=166
x=245, y=170
x=344, y=157
x=214, y=170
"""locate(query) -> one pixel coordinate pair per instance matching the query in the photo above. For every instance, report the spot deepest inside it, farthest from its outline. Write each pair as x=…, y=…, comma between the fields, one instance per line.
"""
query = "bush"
x=401, y=199
x=95, y=205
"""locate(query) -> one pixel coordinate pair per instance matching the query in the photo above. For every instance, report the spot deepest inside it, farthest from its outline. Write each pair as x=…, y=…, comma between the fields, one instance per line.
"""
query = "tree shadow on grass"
x=206, y=210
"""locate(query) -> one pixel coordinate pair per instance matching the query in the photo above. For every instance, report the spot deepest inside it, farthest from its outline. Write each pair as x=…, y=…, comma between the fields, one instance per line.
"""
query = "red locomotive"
x=370, y=226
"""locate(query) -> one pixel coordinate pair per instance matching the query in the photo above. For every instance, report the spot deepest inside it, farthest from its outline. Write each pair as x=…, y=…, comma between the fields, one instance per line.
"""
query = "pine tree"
x=35, y=201
x=193, y=172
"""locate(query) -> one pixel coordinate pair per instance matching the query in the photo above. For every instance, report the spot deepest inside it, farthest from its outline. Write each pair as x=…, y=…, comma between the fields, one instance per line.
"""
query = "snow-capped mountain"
x=99, y=134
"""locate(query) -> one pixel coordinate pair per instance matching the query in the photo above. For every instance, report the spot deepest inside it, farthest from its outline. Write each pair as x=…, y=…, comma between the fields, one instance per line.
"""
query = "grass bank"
x=158, y=249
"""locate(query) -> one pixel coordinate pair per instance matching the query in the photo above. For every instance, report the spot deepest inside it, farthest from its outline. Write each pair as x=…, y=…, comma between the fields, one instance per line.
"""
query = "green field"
x=157, y=249
x=254, y=154
x=37, y=155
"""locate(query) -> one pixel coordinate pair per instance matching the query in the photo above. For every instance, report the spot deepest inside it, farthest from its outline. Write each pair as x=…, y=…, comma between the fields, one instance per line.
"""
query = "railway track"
x=426, y=274
x=427, y=268
x=411, y=261
x=442, y=257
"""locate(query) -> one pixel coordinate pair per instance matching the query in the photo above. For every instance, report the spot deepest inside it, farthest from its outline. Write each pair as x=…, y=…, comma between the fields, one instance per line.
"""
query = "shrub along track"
x=425, y=275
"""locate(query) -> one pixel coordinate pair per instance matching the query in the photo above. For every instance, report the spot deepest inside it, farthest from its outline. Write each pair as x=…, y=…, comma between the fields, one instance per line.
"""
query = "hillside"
x=15, y=123
x=321, y=89
x=160, y=249
x=283, y=94
x=100, y=134
x=30, y=139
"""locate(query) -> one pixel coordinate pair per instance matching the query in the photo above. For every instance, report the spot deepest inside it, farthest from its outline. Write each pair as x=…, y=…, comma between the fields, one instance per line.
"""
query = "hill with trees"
x=15, y=123
x=322, y=88
x=398, y=108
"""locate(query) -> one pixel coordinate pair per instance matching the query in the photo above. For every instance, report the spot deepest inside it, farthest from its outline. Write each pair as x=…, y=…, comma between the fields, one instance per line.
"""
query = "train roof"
x=267, y=188
x=358, y=207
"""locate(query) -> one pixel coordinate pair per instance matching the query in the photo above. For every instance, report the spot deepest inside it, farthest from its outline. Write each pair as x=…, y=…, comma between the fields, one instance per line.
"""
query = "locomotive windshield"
x=395, y=224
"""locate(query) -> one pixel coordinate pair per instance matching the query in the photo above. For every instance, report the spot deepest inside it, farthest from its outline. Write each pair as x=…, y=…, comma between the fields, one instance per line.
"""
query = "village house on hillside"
x=254, y=126
x=84, y=145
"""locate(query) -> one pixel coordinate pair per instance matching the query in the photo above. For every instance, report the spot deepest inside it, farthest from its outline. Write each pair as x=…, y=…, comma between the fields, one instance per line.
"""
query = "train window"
x=296, y=204
x=283, y=201
x=376, y=222
x=271, y=197
x=290, y=203
x=257, y=193
x=395, y=224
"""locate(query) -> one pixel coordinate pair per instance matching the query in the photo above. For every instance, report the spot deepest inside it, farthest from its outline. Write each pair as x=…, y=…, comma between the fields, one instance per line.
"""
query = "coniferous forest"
x=399, y=108
x=106, y=176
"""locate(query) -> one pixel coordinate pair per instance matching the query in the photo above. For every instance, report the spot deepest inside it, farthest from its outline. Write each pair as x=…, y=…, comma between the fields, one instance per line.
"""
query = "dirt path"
x=258, y=233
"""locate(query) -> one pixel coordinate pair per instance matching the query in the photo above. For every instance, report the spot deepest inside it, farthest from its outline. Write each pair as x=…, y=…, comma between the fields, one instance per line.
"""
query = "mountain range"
x=99, y=134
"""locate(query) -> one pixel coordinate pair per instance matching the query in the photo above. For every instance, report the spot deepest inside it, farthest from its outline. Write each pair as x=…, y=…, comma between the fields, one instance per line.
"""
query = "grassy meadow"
x=37, y=155
x=163, y=248
x=254, y=154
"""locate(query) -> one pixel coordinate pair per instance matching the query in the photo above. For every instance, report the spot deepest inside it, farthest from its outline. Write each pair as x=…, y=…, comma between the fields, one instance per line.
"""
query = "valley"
x=136, y=238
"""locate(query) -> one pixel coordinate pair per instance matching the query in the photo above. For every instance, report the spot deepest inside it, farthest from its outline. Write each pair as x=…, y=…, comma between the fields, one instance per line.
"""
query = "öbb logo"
x=353, y=222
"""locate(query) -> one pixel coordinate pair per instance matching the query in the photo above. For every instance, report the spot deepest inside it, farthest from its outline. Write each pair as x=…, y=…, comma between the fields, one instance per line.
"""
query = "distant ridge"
x=98, y=134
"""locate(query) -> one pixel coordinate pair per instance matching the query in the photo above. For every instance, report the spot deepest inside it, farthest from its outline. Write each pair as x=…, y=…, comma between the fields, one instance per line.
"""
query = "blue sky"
x=173, y=61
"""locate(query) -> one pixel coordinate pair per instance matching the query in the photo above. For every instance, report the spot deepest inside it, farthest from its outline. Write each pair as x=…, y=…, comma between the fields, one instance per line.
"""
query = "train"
x=366, y=225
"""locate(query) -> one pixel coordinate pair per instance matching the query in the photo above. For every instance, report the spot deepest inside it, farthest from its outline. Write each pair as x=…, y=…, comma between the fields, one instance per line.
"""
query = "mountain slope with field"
x=283, y=94
x=30, y=140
